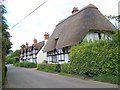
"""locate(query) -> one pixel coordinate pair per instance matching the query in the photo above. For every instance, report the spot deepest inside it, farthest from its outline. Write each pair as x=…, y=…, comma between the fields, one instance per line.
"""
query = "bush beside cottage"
x=91, y=59
x=49, y=67
x=26, y=64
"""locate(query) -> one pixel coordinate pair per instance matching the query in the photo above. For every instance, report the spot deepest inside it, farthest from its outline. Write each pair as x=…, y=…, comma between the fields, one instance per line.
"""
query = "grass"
x=102, y=77
x=84, y=77
x=68, y=75
x=107, y=78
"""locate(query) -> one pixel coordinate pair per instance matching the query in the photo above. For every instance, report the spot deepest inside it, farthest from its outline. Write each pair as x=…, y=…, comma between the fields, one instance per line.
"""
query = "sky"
x=46, y=17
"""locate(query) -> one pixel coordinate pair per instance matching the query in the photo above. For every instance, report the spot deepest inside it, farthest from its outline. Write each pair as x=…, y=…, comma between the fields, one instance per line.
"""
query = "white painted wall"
x=66, y=58
x=41, y=57
x=94, y=36
x=91, y=36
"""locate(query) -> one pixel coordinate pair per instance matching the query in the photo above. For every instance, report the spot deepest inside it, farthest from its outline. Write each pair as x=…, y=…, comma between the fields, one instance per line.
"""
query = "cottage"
x=85, y=24
x=34, y=53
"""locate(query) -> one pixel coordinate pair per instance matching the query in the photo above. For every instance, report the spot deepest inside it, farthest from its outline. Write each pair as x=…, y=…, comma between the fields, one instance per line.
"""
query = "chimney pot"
x=46, y=36
x=35, y=41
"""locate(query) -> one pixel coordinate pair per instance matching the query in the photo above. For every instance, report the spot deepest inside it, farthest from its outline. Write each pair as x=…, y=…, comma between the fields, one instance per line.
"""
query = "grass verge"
x=107, y=78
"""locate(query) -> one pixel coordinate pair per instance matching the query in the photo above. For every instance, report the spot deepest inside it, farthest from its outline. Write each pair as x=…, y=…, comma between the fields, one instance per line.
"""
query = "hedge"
x=26, y=64
x=10, y=60
x=49, y=67
x=66, y=68
x=94, y=58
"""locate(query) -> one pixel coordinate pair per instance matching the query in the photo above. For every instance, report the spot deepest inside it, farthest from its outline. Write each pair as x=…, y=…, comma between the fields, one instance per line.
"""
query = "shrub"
x=49, y=67
x=29, y=64
x=41, y=66
x=65, y=68
x=94, y=58
x=10, y=60
x=17, y=64
x=26, y=64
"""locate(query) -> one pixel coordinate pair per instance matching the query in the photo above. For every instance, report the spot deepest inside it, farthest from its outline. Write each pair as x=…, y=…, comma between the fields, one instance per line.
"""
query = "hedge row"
x=49, y=67
x=94, y=58
x=26, y=64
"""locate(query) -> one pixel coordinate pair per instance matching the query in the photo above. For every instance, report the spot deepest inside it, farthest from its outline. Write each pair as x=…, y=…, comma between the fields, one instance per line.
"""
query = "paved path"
x=31, y=78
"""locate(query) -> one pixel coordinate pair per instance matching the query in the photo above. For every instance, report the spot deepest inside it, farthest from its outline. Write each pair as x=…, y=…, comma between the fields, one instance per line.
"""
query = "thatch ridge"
x=89, y=6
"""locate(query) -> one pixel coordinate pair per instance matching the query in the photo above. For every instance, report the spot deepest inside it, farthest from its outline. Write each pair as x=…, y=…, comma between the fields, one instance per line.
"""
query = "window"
x=103, y=36
x=99, y=35
x=109, y=38
x=54, y=59
x=63, y=49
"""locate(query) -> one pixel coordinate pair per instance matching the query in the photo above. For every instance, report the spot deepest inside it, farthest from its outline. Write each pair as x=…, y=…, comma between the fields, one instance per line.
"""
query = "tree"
x=13, y=57
x=5, y=43
x=22, y=46
x=115, y=18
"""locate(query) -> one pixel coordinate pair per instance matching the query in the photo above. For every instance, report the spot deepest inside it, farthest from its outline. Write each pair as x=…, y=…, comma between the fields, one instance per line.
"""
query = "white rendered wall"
x=41, y=57
x=94, y=36
x=66, y=58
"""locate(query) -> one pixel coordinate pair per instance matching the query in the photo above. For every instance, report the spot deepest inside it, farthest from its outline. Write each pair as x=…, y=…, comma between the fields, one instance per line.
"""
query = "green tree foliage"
x=22, y=46
x=13, y=57
x=5, y=43
x=110, y=17
x=115, y=18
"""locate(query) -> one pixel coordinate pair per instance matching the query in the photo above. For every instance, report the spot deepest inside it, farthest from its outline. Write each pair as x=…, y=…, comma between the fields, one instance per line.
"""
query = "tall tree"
x=5, y=43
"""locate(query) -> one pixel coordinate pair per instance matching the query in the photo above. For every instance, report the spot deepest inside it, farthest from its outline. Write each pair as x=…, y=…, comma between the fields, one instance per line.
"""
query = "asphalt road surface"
x=31, y=78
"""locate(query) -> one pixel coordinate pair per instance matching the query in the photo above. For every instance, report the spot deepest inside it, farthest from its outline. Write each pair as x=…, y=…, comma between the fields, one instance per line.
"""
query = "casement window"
x=24, y=54
x=34, y=51
x=63, y=50
x=49, y=59
x=103, y=36
x=109, y=38
x=54, y=59
x=97, y=36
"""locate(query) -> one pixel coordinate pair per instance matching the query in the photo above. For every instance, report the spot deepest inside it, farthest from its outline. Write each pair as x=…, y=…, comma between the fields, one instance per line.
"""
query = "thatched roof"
x=74, y=28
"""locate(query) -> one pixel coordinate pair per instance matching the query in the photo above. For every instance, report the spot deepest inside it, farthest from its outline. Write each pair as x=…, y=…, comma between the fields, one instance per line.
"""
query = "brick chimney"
x=35, y=41
x=75, y=9
x=46, y=36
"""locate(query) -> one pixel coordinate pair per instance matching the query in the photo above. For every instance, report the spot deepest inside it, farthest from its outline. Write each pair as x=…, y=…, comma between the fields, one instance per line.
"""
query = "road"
x=31, y=78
